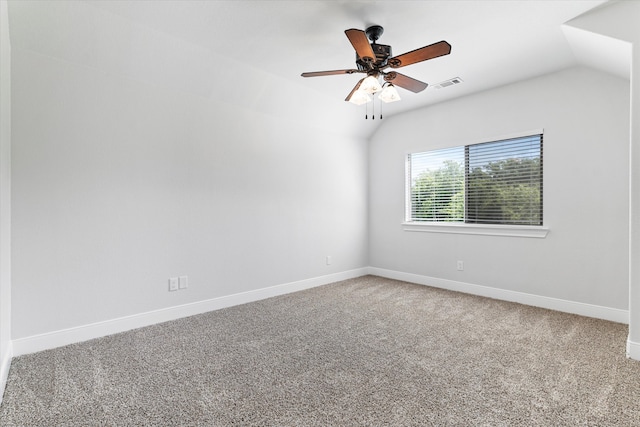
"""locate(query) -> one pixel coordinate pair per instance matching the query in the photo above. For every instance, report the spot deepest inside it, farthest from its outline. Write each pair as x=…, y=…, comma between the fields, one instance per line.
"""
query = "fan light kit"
x=373, y=58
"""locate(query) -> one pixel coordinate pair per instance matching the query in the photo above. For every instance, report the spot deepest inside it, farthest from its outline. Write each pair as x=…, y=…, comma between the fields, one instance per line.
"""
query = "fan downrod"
x=374, y=32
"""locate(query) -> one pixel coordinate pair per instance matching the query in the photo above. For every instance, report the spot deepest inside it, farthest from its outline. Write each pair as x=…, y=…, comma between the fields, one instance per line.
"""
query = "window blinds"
x=437, y=185
x=496, y=182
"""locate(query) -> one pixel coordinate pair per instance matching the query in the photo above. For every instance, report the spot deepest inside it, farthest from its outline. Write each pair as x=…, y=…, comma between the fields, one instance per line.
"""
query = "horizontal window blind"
x=437, y=185
x=504, y=181
x=496, y=182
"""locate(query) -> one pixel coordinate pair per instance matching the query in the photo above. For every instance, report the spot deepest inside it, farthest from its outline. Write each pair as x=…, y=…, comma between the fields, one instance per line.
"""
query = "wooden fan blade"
x=405, y=82
x=329, y=73
x=428, y=52
x=356, y=87
x=360, y=42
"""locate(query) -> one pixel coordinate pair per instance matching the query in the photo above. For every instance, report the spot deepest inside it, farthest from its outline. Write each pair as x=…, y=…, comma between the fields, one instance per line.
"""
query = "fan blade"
x=360, y=43
x=328, y=73
x=428, y=52
x=405, y=82
x=356, y=87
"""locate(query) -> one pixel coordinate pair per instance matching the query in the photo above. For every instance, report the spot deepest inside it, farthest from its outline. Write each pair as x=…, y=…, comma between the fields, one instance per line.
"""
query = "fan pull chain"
x=381, y=111
x=373, y=109
x=366, y=111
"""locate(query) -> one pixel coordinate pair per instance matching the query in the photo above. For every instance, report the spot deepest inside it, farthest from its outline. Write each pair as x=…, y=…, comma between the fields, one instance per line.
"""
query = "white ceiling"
x=251, y=53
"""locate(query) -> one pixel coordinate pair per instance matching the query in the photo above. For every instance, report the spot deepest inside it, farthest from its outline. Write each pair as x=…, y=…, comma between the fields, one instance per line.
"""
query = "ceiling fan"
x=372, y=59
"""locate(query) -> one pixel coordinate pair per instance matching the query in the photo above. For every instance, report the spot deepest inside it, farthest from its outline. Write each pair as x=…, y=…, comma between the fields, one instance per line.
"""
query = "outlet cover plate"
x=183, y=282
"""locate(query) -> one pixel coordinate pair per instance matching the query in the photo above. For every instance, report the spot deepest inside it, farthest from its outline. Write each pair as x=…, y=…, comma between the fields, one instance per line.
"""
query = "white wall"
x=619, y=20
x=584, y=258
x=120, y=184
x=5, y=197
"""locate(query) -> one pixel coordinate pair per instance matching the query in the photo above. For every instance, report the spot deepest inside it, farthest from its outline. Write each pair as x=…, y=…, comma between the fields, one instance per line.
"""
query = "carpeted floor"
x=363, y=352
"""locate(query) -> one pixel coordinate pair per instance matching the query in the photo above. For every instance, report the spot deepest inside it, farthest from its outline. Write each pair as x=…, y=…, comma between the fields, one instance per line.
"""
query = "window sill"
x=478, y=229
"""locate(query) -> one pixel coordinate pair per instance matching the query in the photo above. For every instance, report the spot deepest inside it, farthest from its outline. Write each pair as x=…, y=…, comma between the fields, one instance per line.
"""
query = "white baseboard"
x=60, y=338
x=633, y=350
x=589, y=310
x=5, y=364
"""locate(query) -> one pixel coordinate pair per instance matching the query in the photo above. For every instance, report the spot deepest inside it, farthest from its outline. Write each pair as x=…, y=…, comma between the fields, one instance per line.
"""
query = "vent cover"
x=447, y=83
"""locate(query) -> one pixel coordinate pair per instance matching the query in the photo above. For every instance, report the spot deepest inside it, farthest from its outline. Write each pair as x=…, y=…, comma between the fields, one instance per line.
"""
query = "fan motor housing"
x=382, y=53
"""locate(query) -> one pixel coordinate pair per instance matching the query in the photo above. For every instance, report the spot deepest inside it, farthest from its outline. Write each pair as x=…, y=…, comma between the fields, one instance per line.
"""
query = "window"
x=496, y=182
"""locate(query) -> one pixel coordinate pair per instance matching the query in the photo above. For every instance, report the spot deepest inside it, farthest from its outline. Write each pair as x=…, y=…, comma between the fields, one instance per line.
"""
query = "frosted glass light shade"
x=371, y=85
x=359, y=97
x=389, y=94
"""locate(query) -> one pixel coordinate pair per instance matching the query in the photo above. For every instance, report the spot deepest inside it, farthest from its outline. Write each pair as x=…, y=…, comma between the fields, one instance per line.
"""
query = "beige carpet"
x=363, y=352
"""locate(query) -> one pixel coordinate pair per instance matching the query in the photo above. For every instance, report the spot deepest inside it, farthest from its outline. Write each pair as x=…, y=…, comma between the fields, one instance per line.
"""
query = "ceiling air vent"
x=450, y=82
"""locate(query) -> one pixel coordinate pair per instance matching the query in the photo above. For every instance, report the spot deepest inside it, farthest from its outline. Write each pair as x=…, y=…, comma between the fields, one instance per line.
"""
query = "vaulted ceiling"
x=251, y=53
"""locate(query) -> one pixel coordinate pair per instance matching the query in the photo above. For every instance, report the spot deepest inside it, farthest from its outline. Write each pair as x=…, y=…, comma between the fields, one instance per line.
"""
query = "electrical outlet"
x=183, y=282
x=460, y=266
x=329, y=259
x=173, y=284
